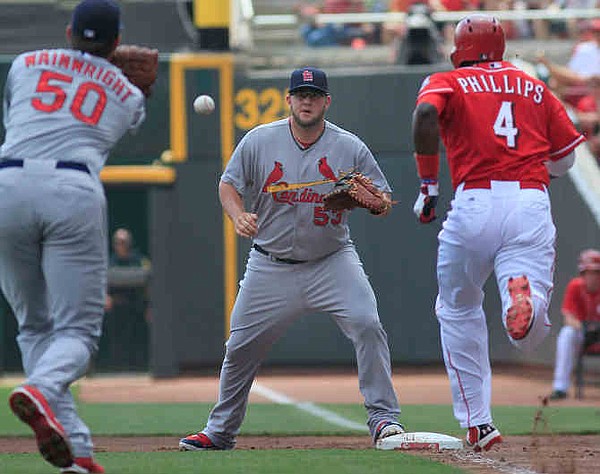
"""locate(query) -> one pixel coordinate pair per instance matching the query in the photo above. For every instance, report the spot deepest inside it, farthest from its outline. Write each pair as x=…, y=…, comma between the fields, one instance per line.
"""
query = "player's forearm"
x=425, y=129
x=232, y=202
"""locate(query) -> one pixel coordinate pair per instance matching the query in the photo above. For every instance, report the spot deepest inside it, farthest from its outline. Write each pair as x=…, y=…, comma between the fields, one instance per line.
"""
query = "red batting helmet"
x=478, y=37
x=589, y=260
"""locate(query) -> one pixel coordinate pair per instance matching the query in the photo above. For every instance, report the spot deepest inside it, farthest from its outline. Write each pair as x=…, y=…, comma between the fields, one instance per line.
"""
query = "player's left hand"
x=424, y=207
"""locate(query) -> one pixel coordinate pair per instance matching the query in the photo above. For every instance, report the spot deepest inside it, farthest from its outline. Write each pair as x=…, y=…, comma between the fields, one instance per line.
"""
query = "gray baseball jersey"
x=268, y=155
x=321, y=271
x=63, y=111
x=68, y=105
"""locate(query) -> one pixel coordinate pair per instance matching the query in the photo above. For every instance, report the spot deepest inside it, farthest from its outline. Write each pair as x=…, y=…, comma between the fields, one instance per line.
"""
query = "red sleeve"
x=563, y=135
x=435, y=90
x=573, y=302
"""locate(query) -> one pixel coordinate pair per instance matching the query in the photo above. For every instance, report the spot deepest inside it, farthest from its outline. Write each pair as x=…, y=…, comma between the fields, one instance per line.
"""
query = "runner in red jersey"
x=505, y=136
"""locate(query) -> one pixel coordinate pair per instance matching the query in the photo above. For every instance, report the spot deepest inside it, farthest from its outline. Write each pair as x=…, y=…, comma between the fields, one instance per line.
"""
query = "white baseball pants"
x=568, y=345
x=507, y=230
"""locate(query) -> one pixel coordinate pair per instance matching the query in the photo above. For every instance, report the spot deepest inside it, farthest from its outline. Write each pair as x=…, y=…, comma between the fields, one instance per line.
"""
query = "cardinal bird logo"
x=326, y=170
x=275, y=175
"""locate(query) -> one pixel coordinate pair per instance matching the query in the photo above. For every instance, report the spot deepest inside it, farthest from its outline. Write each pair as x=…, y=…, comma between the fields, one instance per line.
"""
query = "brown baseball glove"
x=139, y=64
x=356, y=190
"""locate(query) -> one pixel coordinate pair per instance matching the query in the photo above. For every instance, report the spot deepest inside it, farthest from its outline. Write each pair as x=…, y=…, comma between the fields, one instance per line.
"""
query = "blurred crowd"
x=418, y=39
x=577, y=82
x=359, y=35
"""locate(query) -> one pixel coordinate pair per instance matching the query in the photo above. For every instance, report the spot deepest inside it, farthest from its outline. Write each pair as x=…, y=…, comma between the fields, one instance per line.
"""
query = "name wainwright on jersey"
x=64, y=60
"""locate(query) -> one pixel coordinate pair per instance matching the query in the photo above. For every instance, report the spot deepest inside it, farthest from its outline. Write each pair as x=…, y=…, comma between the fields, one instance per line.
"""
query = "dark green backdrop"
x=180, y=228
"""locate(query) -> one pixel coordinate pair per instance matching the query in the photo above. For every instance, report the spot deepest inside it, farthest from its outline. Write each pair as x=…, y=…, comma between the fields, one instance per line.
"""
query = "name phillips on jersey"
x=504, y=84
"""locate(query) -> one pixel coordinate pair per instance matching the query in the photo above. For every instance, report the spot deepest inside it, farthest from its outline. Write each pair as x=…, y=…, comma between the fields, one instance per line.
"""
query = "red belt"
x=487, y=184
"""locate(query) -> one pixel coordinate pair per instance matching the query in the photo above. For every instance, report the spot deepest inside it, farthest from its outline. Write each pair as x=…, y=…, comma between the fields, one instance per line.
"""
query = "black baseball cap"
x=96, y=20
x=308, y=78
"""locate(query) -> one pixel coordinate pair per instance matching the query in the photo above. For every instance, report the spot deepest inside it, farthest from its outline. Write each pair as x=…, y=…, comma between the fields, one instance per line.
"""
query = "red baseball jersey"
x=579, y=302
x=498, y=123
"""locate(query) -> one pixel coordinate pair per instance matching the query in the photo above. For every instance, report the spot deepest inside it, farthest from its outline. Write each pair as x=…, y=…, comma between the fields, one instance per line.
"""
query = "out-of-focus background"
x=175, y=261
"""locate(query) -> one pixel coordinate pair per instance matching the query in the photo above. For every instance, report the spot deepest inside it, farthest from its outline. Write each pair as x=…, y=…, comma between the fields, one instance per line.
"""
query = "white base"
x=420, y=441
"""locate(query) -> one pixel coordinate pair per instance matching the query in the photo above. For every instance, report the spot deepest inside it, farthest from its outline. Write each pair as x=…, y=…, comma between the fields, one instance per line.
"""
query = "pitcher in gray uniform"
x=302, y=259
x=64, y=109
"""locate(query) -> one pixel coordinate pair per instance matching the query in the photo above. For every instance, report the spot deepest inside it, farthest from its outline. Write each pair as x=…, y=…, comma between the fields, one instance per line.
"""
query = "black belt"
x=70, y=165
x=291, y=261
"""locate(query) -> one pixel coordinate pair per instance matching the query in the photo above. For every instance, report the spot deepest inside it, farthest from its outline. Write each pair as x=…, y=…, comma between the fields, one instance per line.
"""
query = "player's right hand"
x=246, y=224
x=424, y=207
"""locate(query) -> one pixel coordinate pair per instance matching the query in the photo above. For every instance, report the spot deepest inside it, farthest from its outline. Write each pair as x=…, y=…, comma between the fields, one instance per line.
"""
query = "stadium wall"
x=197, y=261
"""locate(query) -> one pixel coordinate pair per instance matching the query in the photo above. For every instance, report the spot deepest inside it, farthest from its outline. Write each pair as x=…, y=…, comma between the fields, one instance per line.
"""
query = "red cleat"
x=197, y=442
x=32, y=408
x=519, y=316
x=83, y=466
x=483, y=437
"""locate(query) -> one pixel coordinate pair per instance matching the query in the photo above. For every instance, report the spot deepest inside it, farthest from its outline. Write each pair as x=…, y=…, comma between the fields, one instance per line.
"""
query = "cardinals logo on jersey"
x=274, y=176
x=273, y=183
x=289, y=193
x=325, y=169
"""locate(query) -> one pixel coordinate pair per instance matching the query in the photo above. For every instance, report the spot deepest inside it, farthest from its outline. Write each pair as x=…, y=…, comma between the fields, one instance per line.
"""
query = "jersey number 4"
x=53, y=82
x=504, y=126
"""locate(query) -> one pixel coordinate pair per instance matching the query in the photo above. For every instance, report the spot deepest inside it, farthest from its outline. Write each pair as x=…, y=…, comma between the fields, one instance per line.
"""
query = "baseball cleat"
x=519, y=316
x=388, y=428
x=32, y=408
x=483, y=437
x=83, y=466
x=558, y=395
x=197, y=442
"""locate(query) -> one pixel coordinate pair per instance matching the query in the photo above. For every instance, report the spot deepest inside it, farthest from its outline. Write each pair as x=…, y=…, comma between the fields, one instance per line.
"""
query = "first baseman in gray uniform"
x=64, y=109
x=302, y=259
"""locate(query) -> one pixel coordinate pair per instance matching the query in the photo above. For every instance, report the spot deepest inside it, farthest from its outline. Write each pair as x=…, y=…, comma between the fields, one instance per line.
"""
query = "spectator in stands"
x=587, y=112
x=582, y=94
x=124, y=254
x=127, y=304
x=585, y=59
x=581, y=306
x=421, y=41
x=315, y=33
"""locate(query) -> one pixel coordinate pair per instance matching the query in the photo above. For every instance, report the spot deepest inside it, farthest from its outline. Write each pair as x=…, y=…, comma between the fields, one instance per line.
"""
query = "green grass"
x=246, y=462
x=280, y=420
x=277, y=420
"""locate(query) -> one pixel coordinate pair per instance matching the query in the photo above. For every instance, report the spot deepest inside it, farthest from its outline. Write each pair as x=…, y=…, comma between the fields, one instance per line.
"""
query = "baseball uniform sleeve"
x=573, y=302
x=563, y=135
x=235, y=171
x=435, y=90
x=370, y=168
x=139, y=115
x=7, y=93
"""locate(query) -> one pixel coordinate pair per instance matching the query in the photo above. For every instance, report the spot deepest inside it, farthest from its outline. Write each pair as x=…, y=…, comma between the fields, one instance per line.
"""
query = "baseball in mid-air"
x=204, y=104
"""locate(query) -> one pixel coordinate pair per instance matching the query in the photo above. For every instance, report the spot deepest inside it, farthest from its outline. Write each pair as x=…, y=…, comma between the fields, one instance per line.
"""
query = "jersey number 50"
x=60, y=96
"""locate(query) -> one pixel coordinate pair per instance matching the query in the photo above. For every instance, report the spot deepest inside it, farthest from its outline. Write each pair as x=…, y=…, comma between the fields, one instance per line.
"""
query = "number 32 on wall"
x=255, y=107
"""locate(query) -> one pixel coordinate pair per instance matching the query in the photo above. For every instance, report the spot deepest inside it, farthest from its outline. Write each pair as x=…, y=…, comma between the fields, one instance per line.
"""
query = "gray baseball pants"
x=272, y=296
x=53, y=258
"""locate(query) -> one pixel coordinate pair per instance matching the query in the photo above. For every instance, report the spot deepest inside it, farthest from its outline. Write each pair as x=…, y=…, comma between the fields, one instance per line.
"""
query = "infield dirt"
x=511, y=386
